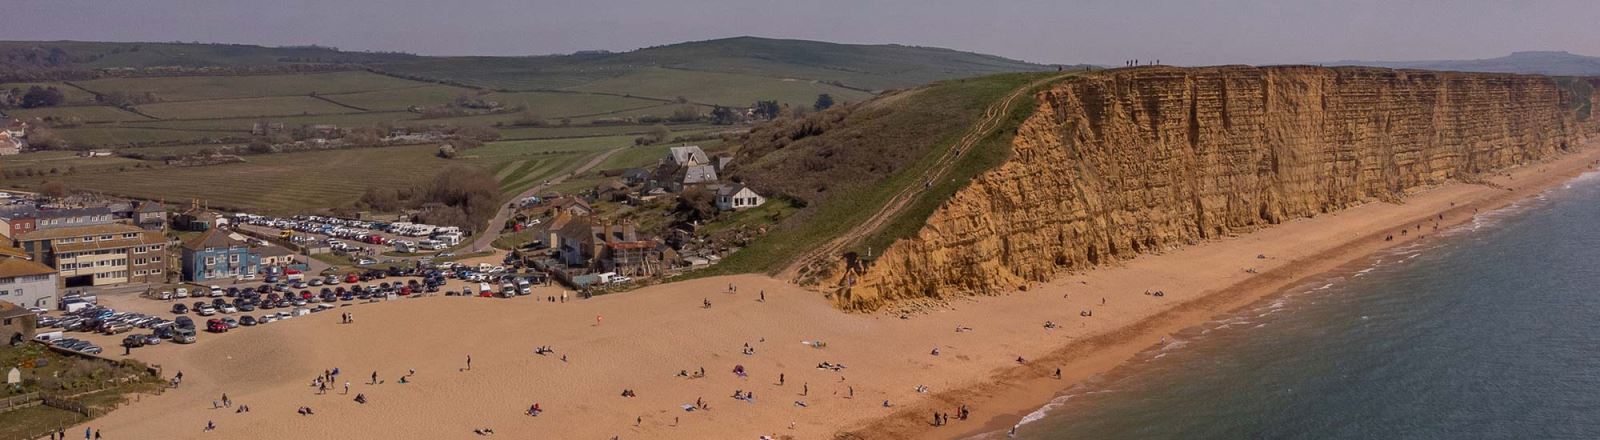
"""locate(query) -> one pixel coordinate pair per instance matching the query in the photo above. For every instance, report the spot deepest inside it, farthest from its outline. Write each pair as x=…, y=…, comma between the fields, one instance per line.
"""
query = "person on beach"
x=780, y=379
x=347, y=386
x=209, y=427
x=763, y=296
x=374, y=377
x=1058, y=373
x=469, y=362
x=805, y=388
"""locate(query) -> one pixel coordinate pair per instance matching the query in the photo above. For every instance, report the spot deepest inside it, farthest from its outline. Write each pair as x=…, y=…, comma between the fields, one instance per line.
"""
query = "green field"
x=87, y=113
x=720, y=88
x=401, y=98
x=192, y=88
x=118, y=135
x=72, y=94
x=243, y=107
x=277, y=183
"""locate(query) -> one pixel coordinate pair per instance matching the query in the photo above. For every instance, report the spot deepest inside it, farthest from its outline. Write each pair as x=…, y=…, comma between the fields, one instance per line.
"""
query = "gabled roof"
x=689, y=153
x=212, y=238
x=728, y=190
x=700, y=174
x=151, y=207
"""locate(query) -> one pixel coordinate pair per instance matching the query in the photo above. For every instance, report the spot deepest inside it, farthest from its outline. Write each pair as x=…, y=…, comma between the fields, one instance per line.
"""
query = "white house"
x=736, y=197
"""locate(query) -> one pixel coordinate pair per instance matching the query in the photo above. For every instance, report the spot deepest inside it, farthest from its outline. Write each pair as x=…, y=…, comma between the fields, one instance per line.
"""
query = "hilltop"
x=1531, y=62
x=851, y=66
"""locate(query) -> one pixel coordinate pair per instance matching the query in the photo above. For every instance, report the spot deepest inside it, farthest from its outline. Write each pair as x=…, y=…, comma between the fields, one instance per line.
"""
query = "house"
x=723, y=161
x=96, y=153
x=736, y=197
x=611, y=190
x=274, y=256
x=581, y=243
x=17, y=324
x=10, y=145
x=148, y=215
x=216, y=254
x=687, y=156
x=98, y=255
x=25, y=282
x=572, y=205
x=195, y=220
x=635, y=176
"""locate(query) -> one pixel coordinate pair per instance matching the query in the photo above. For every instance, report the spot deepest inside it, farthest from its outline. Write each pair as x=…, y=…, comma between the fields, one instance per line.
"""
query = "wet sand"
x=649, y=335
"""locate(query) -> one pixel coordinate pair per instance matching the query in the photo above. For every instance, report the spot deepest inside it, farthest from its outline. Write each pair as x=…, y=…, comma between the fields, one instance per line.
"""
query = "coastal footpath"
x=1145, y=160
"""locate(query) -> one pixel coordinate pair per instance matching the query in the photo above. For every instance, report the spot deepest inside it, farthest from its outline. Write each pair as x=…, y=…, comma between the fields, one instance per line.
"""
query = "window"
x=155, y=259
x=234, y=258
x=211, y=261
x=141, y=261
x=155, y=271
x=105, y=237
x=140, y=250
x=69, y=240
x=130, y=235
x=155, y=247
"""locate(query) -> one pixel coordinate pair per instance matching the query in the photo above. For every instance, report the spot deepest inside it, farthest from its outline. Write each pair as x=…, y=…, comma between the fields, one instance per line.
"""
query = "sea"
x=1488, y=330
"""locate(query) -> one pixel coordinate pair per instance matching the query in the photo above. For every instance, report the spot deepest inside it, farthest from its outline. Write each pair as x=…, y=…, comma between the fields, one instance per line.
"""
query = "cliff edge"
x=1137, y=160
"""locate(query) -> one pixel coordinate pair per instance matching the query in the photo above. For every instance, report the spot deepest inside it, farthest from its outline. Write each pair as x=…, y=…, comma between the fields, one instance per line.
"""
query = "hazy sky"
x=1093, y=31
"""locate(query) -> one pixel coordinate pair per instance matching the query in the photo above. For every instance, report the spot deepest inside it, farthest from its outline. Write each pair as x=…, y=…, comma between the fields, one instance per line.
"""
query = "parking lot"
x=127, y=318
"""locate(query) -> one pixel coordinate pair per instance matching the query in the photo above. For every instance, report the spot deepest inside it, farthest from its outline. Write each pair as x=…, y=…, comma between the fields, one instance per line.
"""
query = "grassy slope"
x=917, y=128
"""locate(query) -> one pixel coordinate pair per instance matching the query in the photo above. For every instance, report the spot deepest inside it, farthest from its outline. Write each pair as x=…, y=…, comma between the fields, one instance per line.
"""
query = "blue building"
x=215, y=255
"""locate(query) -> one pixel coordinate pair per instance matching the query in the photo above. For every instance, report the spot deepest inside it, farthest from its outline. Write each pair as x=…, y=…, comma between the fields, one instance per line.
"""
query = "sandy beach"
x=641, y=340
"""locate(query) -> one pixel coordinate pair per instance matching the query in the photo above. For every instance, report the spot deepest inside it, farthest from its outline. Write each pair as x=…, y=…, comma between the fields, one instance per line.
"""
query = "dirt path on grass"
x=483, y=240
x=820, y=257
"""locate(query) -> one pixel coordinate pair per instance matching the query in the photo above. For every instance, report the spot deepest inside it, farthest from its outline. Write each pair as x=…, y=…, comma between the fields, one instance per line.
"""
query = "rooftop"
x=11, y=267
x=77, y=231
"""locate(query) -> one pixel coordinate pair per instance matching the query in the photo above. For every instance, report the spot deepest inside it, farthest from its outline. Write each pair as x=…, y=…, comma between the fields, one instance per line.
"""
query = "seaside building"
x=216, y=255
x=25, y=282
x=98, y=255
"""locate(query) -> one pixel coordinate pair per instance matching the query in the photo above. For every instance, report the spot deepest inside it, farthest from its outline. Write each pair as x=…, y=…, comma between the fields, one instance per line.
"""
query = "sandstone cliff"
x=1137, y=160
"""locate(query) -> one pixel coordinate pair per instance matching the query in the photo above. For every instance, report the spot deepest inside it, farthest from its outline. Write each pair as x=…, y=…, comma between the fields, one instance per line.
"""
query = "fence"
x=18, y=400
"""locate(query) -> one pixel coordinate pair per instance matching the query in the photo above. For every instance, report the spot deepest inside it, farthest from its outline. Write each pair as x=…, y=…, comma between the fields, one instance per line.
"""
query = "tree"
x=723, y=116
x=447, y=151
x=685, y=113
x=768, y=109
x=823, y=102
x=696, y=204
x=42, y=97
x=261, y=146
x=45, y=139
x=53, y=189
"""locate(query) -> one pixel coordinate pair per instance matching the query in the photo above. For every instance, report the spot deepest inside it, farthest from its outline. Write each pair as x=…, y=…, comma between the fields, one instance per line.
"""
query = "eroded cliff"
x=1138, y=160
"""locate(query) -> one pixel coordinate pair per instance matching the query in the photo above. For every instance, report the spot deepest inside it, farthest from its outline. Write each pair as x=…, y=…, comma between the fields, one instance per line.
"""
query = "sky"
x=1194, y=32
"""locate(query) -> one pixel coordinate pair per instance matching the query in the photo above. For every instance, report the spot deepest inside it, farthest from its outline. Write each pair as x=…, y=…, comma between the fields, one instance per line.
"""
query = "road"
x=489, y=234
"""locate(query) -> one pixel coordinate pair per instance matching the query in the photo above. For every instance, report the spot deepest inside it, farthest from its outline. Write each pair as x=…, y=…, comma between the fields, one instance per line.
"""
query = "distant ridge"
x=1560, y=63
x=865, y=67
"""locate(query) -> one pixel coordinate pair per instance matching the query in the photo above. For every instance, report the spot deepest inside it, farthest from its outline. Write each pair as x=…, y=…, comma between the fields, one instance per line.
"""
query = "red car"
x=306, y=295
x=352, y=278
x=216, y=326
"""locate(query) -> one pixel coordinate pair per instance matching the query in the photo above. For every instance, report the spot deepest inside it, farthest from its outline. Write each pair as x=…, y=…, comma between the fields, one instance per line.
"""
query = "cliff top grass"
x=843, y=165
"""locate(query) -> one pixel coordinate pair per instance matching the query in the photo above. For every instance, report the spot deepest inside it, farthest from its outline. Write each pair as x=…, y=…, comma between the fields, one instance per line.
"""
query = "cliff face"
x=1132, y=161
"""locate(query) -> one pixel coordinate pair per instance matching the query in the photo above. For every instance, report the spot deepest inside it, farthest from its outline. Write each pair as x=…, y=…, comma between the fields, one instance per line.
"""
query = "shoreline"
x=650, y=336
x=1015, y=392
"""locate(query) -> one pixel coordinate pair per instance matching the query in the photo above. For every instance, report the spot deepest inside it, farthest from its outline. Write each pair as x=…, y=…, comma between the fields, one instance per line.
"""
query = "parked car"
x=180, y=309
x=228, y=308
x=216, y=326
x=183, y=322
x=230, y=322
x=181, y=292
x=184, y=335
x=205, y=310
x=247, y=320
